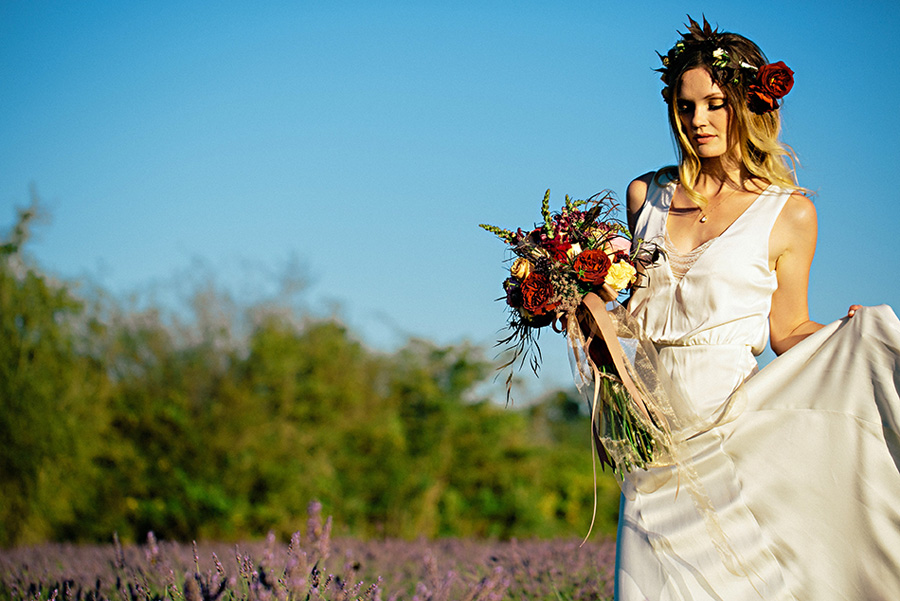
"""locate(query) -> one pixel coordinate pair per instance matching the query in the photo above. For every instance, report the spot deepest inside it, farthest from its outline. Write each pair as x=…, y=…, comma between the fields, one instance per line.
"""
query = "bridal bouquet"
x=579, y=250
x=556, y=263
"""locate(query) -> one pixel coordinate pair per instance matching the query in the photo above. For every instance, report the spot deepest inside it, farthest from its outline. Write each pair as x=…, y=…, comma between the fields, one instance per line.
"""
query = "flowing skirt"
x=801, y=469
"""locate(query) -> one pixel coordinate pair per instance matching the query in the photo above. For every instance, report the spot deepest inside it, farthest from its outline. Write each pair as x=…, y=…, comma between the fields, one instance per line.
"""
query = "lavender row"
x=313, y=566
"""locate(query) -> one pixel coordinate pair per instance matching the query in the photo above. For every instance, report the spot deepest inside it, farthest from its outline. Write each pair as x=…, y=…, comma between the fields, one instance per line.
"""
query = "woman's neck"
x=716, y=174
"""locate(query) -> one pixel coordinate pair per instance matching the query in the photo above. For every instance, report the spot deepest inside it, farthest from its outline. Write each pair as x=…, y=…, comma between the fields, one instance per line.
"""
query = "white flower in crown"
x=720, y=57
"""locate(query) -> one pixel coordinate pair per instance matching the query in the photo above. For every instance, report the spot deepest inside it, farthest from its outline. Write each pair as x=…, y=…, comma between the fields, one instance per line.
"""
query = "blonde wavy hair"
x=756, y=136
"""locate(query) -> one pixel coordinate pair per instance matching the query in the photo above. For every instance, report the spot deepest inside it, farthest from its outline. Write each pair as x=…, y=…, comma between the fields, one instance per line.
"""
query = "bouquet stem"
x=628, y=442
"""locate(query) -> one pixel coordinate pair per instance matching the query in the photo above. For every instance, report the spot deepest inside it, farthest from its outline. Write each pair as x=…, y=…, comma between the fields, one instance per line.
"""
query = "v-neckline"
x=711, y=241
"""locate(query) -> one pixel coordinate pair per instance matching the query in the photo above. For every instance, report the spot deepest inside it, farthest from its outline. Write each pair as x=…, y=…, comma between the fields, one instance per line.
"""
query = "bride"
x=788, y=487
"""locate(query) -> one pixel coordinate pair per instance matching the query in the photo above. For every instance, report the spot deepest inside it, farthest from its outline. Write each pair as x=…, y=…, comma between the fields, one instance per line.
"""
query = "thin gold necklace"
x=708, y=209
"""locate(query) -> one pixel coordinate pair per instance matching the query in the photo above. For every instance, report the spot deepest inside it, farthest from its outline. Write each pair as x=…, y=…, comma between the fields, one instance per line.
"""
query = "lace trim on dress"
x=679, y=262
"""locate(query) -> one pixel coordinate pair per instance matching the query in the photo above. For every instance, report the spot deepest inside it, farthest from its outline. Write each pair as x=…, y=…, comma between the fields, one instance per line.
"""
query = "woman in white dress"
x=789, y=486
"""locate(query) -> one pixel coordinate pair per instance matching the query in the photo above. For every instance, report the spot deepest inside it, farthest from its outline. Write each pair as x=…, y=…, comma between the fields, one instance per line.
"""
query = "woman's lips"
x=703, y=138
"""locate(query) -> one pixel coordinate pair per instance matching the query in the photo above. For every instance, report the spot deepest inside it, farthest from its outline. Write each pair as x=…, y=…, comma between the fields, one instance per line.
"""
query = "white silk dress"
x=800, y=461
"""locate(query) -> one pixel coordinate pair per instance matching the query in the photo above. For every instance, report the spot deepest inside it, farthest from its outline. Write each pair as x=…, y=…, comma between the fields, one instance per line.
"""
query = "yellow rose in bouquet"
x=520, y=269
x=621, y=275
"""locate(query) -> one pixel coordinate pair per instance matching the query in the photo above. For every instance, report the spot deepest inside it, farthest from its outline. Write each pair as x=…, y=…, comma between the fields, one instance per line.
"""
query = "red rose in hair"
x=776, y=79
x=592, y=266
x=773, y=81
x=537, y=290
x=759, y=102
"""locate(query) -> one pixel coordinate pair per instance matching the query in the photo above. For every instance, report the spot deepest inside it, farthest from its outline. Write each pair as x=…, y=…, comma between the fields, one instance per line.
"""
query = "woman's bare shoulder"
x=796, y=228
x=637, y=192
x=799, y=212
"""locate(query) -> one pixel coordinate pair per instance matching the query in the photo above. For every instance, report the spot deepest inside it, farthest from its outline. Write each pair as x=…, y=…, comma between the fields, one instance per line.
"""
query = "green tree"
x=52, y=400
x=225, y=421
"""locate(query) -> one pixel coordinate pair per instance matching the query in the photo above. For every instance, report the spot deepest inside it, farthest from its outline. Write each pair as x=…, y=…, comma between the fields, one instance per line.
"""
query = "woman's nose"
x=698, y=118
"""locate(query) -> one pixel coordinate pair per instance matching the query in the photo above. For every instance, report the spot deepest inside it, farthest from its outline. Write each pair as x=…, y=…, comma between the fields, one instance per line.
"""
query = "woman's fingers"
x=853, y=309
x=608, y=293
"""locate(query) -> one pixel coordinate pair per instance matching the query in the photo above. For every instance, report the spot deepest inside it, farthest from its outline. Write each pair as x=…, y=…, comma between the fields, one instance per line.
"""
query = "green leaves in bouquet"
x=505, y=235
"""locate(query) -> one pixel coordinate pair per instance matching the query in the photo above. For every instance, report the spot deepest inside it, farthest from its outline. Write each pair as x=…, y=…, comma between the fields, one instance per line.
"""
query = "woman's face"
x=704, y=113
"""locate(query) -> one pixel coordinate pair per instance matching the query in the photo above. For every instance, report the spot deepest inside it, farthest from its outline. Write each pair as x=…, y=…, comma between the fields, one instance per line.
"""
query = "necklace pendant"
x=702, y=218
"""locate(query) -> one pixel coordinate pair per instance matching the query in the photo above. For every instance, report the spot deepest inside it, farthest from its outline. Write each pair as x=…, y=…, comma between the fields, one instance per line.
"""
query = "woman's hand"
x=608, y=293
x=853, y=309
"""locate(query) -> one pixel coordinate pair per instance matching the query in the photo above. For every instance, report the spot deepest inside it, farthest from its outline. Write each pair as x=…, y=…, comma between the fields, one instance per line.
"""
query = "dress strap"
x=765, y=211
x=651, y=221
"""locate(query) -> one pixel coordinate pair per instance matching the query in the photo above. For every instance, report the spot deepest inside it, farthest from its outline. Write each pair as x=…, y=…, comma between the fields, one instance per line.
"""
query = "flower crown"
x=765, y=85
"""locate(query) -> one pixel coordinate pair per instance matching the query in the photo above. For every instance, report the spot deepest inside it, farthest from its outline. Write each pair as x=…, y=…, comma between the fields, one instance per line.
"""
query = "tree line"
x=125, y=419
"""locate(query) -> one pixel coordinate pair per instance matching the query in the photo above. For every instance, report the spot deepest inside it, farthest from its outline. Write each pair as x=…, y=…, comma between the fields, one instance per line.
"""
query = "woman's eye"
x=716, y=106
x=684, y=108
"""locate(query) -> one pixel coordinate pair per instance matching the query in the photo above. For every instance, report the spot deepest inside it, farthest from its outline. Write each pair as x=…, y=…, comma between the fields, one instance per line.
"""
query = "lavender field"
x=313, y=565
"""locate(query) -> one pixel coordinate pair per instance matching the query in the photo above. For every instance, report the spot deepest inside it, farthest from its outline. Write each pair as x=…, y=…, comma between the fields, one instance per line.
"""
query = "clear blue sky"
x=368, y=140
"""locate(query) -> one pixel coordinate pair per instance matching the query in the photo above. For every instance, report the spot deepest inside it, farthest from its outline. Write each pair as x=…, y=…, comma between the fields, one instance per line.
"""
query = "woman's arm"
x=791, y=249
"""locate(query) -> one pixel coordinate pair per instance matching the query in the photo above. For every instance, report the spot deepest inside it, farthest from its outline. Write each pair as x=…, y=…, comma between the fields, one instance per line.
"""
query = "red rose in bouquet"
x=558, y=246
x=537, y=292
x=592, y=266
